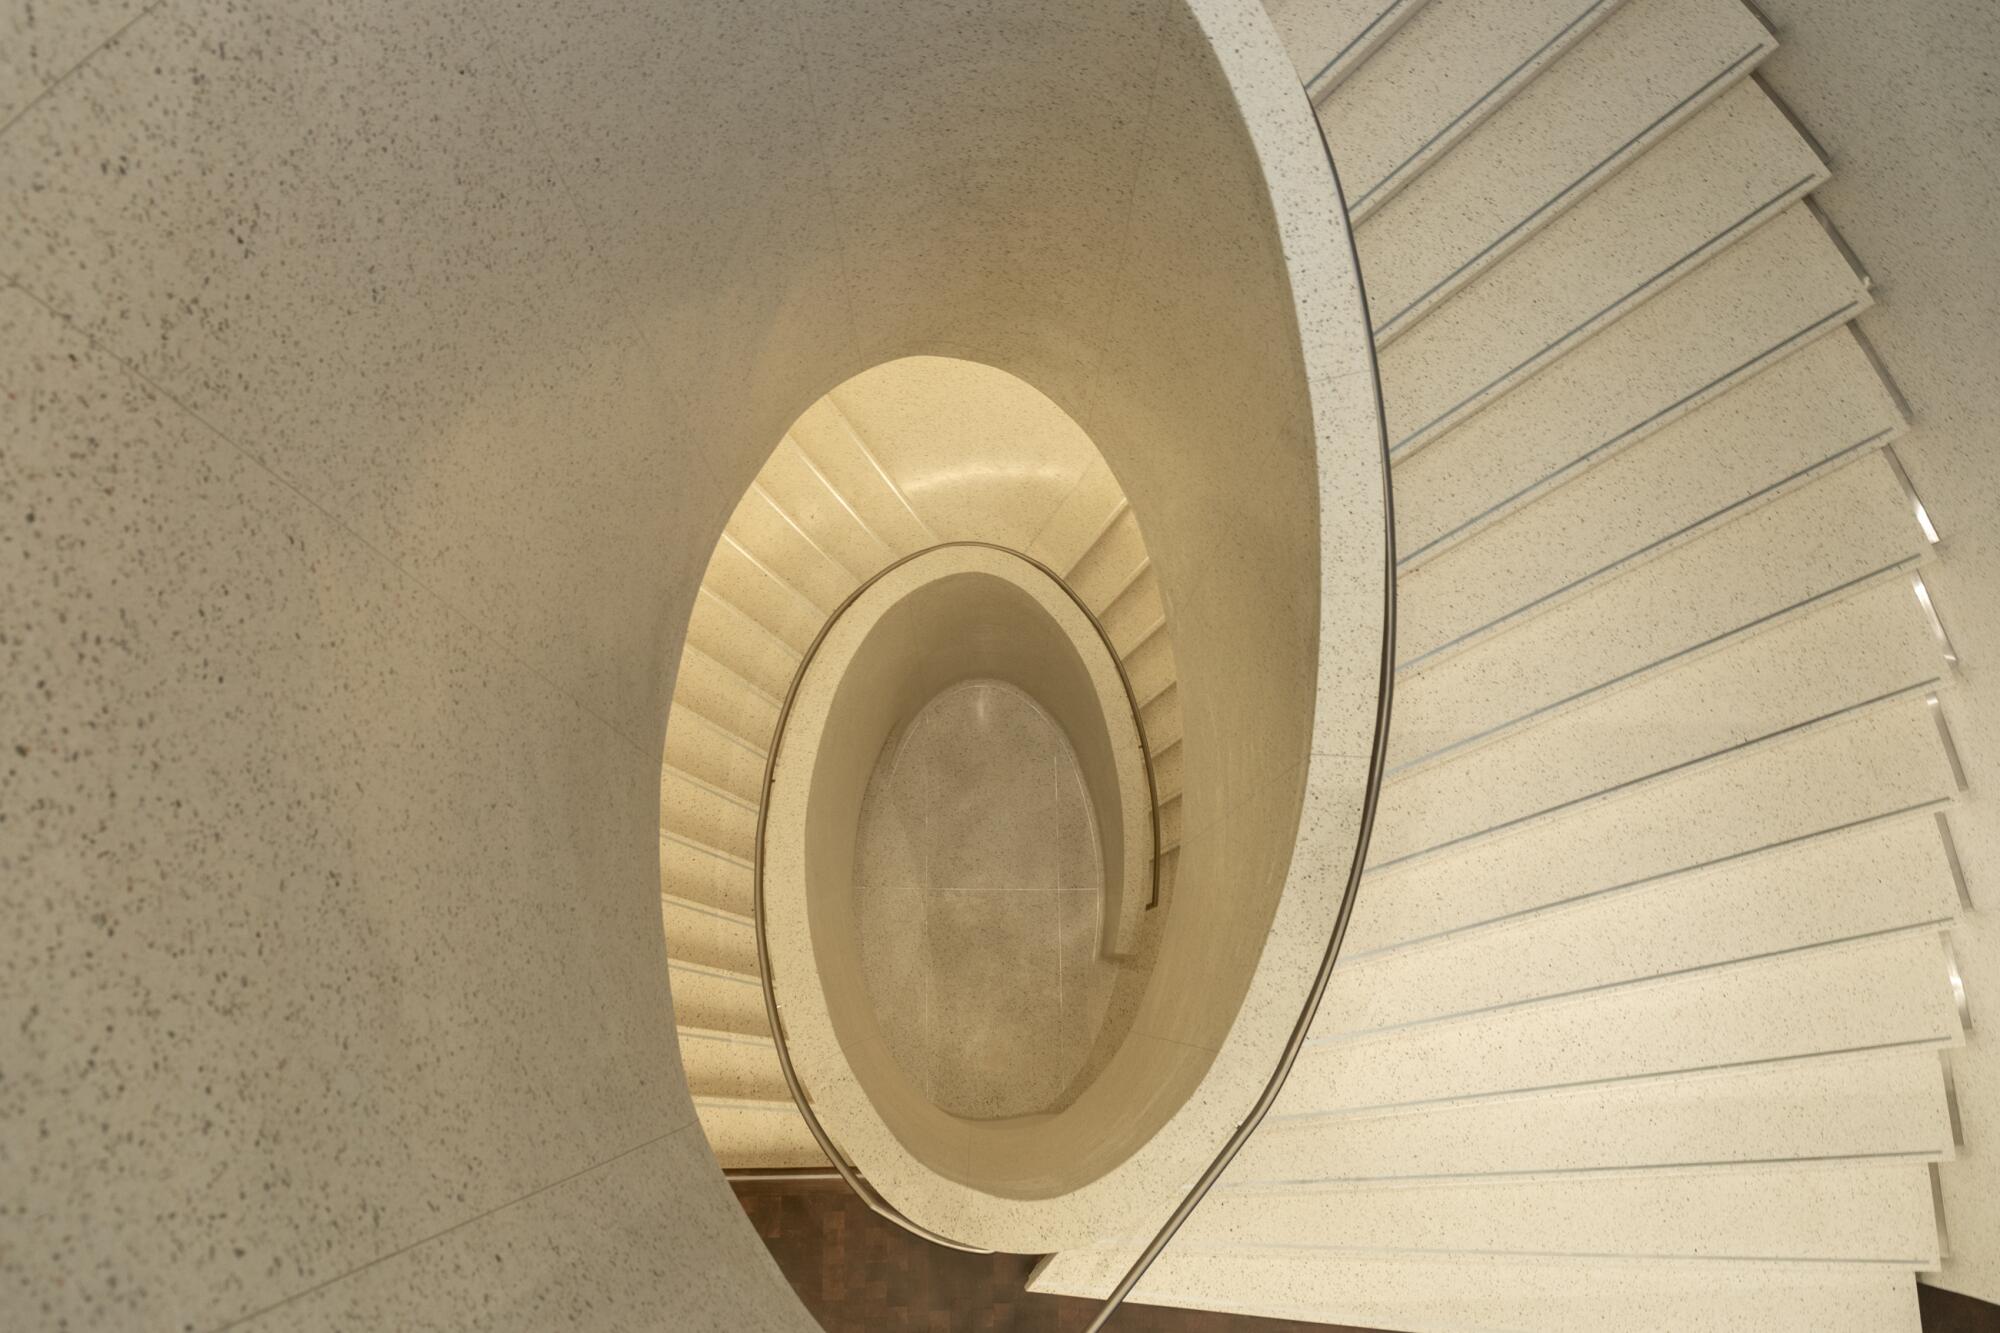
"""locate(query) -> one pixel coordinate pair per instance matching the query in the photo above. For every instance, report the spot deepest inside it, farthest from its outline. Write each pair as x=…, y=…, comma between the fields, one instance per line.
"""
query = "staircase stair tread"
x=1476, y=1294
x=1329, y=39
x=1454, y=63
x=1732, y=169
x=1868, y=995
x=1629, y=83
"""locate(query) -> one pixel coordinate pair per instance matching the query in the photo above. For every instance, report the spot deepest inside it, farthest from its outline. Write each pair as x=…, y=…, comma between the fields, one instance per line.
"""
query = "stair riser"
x=1330, y=39
x=1814, y=412
x=1809, y=1214
x=1451, y=67
x=1854, y=997
x=1715, y=181
x=1781, y=287
x=1464, y=1293
x=1632, y=82
x=1836, y=657
x=721, y=1003
x=719, y=1065
x=703, y=876
x=708, y=938
x=1803, y=1110
x=746, y=1138
x=1822, y=541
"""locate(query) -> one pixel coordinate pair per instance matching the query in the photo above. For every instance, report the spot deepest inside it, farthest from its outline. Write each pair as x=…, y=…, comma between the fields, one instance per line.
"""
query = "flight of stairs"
x=824, y=515
x=1645, y=1014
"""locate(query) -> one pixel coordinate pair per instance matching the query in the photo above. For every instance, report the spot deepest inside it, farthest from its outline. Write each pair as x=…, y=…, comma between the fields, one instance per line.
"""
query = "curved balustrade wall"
x=376, y=414
x=953, y=613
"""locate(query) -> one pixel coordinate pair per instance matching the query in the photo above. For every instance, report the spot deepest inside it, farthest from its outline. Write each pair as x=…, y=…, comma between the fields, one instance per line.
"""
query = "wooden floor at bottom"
x=859, y=1274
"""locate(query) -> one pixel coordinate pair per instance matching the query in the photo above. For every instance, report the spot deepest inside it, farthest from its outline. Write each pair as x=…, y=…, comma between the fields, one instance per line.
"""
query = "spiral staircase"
x=826, y=514
x=1645, y=999
x=1645, y=1016
x=378, y=378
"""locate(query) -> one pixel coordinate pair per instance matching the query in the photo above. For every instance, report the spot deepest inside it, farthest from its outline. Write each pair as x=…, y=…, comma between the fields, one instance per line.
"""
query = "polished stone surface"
x=979, y=891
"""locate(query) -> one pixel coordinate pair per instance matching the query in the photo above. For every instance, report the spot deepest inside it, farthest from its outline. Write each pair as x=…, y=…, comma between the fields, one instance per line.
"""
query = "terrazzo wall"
x=1906, y=110
x=377, y=378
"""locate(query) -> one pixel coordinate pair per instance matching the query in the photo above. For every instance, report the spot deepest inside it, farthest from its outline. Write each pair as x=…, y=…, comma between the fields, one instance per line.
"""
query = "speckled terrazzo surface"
x=978, y=887
x=378, y=379
x=1923, y=226
x=1677, y=811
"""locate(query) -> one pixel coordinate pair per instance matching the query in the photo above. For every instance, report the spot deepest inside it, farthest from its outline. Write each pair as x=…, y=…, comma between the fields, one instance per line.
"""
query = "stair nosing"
x=1145, y=638
x=1667, y=542
x=682, y=840
x=736, y=544
x=758, y=488
x=1474, y=113
x=1320, y=94
x=1104, y=527
x=733, y=673
x=1606, y=316
x=1277, y=1185
x=1715, y=642
x=854, y=433
x=724, y=1102
x=826, y=482
x=783, y=645
x=1671, y=771
x=1129, y=582
x=725, y=733
x=685, y=904
x=718, y=973
x=1459, y=1099
x=725, y=1037
x=1352, y=1036
x=1637, y=431
x=1618, y=1257
x=1416, y=942
x=1573, y=193
x=744, y=803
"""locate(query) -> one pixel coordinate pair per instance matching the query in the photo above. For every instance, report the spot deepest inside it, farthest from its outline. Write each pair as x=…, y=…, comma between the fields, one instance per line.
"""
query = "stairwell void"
x=1016, y=868
x=959, y=860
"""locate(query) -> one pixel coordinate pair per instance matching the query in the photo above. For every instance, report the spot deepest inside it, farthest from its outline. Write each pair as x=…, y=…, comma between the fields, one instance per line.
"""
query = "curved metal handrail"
x=1371, y=797
x=1377, y=761
x=855, y=1180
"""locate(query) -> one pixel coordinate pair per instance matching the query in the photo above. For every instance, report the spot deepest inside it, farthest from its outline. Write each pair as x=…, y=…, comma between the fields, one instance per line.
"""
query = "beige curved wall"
x=376, y=412
x=944, y=617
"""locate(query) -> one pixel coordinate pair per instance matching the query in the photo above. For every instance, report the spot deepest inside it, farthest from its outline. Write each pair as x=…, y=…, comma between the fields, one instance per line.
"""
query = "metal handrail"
x=1371, y=797
x=855, y=1180
x=1377, y=761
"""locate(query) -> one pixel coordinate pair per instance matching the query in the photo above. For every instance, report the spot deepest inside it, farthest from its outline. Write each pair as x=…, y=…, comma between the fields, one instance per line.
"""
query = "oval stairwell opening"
x=979, y=897
x=959, y=1006
x=951, y=939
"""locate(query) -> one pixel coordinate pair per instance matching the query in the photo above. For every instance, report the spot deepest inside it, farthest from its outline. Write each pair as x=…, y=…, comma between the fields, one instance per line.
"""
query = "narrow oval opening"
x=1012, y=1117
x=961, y=820
x=987, y=854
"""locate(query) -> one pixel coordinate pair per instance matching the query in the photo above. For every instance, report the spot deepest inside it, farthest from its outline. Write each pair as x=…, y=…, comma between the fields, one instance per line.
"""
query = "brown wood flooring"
x=859, y=1274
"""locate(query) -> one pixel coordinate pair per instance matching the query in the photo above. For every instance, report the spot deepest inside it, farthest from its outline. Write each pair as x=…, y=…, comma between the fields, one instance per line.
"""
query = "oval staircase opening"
x=913, y=859
x=1026, y=1061
x=979, y=897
